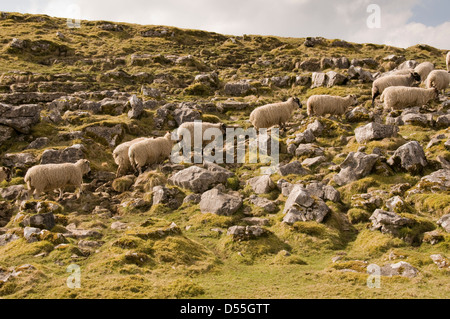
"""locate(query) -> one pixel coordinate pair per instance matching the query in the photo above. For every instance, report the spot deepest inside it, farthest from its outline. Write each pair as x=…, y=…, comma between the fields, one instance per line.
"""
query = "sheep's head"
x=84, y=165
x=436, y=94
x=296, y=100
x=354, y=99
x=416, y=76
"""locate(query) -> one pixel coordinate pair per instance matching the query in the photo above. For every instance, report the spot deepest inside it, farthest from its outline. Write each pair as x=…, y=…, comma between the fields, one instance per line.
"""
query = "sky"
x=401, y=23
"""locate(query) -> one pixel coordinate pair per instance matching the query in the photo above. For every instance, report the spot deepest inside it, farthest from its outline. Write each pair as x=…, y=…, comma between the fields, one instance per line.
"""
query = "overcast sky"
x=402, y=22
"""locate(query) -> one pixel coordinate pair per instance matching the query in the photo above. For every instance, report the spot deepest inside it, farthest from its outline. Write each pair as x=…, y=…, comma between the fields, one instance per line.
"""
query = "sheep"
x=382, y=83
x=400, y=97
x=204, y=126
x=5, y=174
x=448, y=61
x=149, y=151
x=120, y=155
x=423, y=69
x=268, y=115
x=319, y=105
x=438, y=79
x=399, y=72
x=47, y=177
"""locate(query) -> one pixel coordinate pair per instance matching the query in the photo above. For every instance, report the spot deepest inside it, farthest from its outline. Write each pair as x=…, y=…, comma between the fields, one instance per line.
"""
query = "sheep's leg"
x=78, y=192
x=36, y=194
x=118, y=171
x=60, y=194
x=374, y=96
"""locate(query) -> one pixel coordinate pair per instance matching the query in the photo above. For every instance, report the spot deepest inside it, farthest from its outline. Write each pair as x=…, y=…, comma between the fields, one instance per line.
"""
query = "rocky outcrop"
x=409, y=157
x=216, y=202
x=355, y=166
x=21, y=118
x=300, y=206
x=374, y=131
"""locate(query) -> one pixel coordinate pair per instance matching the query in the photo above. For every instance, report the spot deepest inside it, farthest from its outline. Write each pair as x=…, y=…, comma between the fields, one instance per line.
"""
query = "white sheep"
x=150, y=151
x=204, y=126
x=120, y=155
x=47, y=177
x=423, y=69
x=439, y=79
x=5, y=174
x=400, y=97
x=268, y=115
x=318, y=105
x=382, y=83
x=399, y=72
x=448, y=61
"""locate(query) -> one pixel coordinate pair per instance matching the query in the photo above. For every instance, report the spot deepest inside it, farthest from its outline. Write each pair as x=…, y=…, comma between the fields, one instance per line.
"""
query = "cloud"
x=293, y=18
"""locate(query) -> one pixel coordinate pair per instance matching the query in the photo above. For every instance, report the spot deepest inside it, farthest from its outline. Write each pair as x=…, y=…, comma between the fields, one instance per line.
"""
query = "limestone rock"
x=355, y=166
x=410, y=157
x=374, y=131
x=388, y=222
x=444, y=222
x=292, y=168
x=261, y=184
x=20, y=118
x=401, y=268
x=68, y=155
x=216, y=202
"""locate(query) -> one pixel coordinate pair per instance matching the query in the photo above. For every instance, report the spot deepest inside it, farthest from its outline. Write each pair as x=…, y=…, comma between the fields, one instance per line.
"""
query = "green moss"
x=355, y=265
x=210, y=118
x=233, y=183
x=13, y=181
x=436, y=204
x=122, y=184
x=148, y=180
x=374, y=243
x=179, y=250
x=183, y=288
x=414, y=233
x=357, y=215
x=284, y=258
x=248, y=251
x=198, y=89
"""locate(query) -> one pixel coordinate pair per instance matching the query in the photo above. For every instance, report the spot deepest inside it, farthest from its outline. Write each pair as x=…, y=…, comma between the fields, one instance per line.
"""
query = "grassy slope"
x=199, y=263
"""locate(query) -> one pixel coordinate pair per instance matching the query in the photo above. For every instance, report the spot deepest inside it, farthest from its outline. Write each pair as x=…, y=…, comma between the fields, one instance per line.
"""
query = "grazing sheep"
x=121, y=158
x=319, y=105
x=204, y=125
x=448, y=61
x=5, y=174
x=382, y=83
x=149, y=151
x=47, y=177
x=268, y=115
x=423, y=69
x=400, y=97
x=399, y=72
x=438, y=79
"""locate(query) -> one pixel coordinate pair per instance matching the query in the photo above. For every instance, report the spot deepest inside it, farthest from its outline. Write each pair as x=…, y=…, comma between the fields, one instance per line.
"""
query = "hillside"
x=67, y=94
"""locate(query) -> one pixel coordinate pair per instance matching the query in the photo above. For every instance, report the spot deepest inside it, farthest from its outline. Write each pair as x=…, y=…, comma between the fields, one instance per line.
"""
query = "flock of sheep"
x=396, y=89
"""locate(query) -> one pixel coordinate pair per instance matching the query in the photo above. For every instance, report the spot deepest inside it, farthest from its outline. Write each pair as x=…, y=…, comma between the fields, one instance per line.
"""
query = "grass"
x=200, y=260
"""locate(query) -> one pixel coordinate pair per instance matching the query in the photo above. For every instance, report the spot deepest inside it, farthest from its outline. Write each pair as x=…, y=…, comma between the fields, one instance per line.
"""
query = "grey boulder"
x=216, y=202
